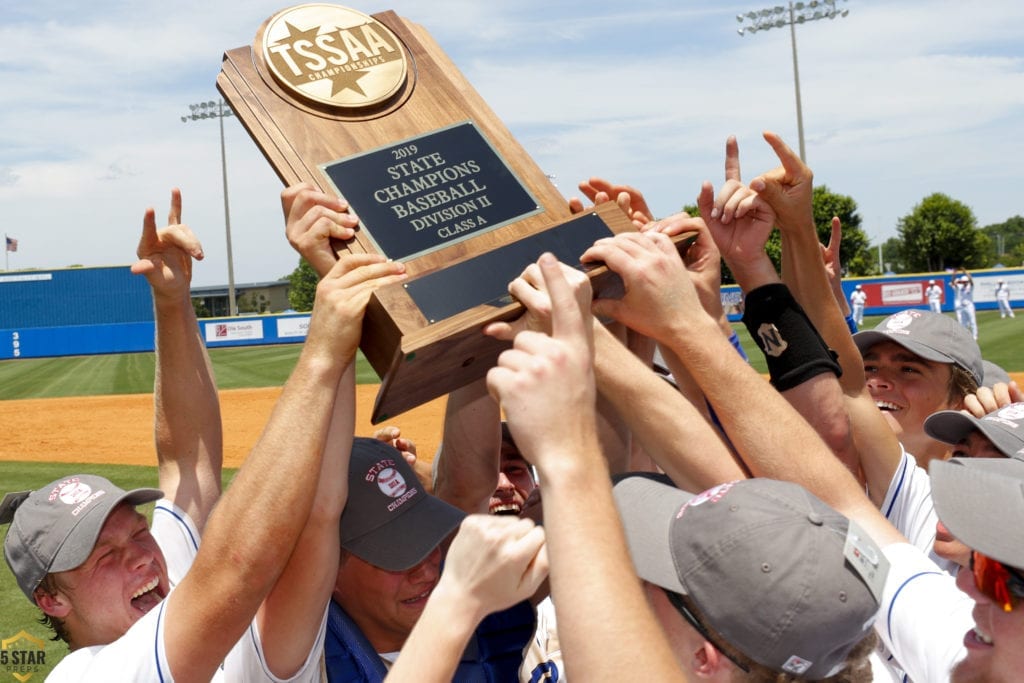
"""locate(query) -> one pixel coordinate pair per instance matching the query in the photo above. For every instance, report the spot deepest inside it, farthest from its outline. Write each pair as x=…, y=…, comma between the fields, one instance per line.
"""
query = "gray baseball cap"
x=932, y=336
x=762, y=560
x=1004, y=427
x=981, y=502
x=54, y=528
x=993, y=374
x=389, y=520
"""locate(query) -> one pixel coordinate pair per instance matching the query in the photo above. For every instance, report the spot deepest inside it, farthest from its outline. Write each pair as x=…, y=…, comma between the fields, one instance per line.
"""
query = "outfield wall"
x=80, y=340
x=58, y=313
x=886, y=295
x=73, y=296
x=89, y=311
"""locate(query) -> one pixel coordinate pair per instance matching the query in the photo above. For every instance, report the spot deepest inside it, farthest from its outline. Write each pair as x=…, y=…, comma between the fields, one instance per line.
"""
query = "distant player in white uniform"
x=857, y=299
x=934, y=294
x=1003, y=299
x=963, y=289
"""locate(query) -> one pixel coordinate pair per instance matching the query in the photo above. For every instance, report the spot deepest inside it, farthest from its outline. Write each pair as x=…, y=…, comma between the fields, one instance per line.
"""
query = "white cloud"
x=900, y=99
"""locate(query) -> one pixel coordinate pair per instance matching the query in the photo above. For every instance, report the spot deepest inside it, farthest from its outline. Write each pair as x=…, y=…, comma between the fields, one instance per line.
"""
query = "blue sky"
x=900, y=99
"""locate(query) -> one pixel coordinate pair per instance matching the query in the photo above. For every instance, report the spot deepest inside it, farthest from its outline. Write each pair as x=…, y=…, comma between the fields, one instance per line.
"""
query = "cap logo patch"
x=796, y=665
x=712, y=495
x=898, y=321
x=387, y=476
x=71, y=492
x=1014, y=412
x=391, y=483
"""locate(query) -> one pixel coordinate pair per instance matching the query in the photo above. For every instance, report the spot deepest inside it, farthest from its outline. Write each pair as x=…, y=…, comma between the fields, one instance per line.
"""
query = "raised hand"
x=392, y=436
x=740, y=223
x=834, y=266
x=530, y=290
x=545, y=383
x=986, y=400
x=342, y=294
x=165, y=255
x=659, y=296
x=787, y=188
x=494, y=562
x=702, y=259
x=628, y=198
x=312, y=220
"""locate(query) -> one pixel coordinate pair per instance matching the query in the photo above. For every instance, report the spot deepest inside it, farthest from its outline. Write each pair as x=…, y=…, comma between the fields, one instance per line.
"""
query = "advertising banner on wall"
x=233, y=331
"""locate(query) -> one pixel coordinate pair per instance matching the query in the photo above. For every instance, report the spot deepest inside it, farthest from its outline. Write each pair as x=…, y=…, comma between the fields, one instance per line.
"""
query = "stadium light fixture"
x=219, y=110
x=795, y=13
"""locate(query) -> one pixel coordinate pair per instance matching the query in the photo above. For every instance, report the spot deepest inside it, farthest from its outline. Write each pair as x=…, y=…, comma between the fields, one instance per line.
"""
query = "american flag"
x=12, y=244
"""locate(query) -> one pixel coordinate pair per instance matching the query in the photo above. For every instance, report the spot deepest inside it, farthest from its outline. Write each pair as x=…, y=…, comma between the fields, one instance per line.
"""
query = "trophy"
x=370, y=108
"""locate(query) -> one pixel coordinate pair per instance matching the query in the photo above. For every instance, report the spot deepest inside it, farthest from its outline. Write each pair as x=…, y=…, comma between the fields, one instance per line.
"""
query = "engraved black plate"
x=484, y=279
x=430, y=191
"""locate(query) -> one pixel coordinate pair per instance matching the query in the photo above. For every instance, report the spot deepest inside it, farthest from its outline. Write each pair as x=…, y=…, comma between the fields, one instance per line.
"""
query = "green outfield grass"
x=1001, y=342
x=132, y=373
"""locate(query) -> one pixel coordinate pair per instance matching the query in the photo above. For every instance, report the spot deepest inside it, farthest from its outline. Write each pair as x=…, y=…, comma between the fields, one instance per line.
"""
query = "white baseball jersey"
x=923, y=616
x=139, y=656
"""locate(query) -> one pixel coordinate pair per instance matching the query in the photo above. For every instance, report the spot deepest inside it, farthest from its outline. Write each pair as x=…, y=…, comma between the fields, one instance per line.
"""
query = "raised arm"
x=546, y=386
x=770, y=435
x=467, y=461
x=187, y=426
x=788, y=190
x=253, y=532
x=290, y=618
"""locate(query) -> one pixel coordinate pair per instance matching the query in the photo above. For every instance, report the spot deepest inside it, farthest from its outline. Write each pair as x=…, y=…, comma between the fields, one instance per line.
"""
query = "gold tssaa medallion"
x=334, y=56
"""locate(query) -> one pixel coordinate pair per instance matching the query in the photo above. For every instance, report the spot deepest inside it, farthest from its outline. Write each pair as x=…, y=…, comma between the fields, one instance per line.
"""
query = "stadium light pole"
x=218, y=110
x=779, y=16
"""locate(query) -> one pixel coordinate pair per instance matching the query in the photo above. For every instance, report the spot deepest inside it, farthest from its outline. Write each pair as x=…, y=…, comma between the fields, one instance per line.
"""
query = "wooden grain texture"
x=417, y=360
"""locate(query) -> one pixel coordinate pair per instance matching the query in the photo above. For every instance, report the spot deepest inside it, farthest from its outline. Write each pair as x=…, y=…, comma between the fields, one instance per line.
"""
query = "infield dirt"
x=119, y=429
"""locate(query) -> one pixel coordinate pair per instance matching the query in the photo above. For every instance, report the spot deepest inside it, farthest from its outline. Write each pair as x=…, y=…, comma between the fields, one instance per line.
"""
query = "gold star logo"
x=334, y=55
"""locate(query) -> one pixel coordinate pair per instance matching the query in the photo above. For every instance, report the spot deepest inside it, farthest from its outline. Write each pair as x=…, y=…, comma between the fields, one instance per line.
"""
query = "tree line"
x=939, y=234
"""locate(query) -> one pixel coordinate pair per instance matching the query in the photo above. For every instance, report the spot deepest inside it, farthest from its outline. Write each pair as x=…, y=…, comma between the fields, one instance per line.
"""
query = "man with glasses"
x=981, y=501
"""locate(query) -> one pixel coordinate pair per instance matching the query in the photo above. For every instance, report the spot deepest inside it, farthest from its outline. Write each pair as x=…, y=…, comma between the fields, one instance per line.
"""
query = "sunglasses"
x=1001, y=584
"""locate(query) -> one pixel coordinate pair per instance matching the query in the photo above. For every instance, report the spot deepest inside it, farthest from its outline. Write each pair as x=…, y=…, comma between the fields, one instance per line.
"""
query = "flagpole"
x=7, y=255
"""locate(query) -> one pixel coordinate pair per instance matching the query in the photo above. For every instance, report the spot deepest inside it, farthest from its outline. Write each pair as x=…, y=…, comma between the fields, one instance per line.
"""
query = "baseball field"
x=64, y=415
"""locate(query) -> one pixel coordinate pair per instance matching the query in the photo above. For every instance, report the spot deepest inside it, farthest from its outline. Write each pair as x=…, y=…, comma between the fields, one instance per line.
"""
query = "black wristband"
x=792, y=347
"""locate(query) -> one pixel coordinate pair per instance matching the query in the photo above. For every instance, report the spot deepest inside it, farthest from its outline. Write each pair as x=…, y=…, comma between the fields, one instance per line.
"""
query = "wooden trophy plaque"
x=370, y=108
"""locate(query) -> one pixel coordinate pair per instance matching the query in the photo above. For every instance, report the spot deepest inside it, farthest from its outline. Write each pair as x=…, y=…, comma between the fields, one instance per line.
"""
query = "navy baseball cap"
x=389, y=520
x=54, y=528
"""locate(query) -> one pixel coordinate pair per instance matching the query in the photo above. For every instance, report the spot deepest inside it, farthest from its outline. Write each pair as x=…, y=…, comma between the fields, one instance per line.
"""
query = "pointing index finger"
x=174, y=215
x=566, y=313
x=732, y=159
x=790, y=161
